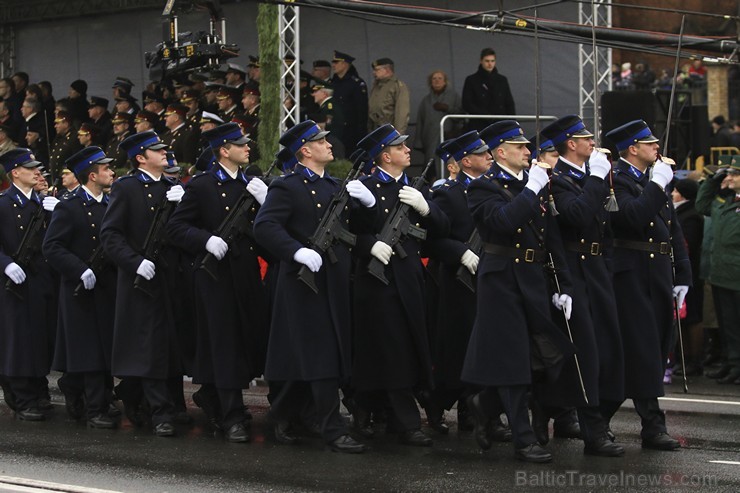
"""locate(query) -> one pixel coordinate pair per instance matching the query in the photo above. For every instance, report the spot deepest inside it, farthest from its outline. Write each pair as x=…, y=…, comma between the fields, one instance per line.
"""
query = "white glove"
x=661, y=173
x=599, y=164
x=470, y=261
x=537, y=178
x=564, y=303
x=382, y=251
x=49, y=203
x=308, y=257
x=217, y=246
x=175, y=193
x=415, y=199
x=679, y=292
x=15, y=273
x=88, y=279
x=258, y=189
x=358, y=191
x=146, y=269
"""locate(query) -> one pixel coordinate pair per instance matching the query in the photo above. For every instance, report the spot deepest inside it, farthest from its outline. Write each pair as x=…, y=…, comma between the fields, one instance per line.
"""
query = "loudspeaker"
x=620, y=107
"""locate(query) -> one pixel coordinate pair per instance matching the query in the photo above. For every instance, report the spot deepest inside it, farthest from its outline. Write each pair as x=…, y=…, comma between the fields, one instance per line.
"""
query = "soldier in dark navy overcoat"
x=580, y=192
x=231, y=309
x=24, y=323
x=454, y=313
x=646, y=232
x=391, y=347
x=84, y=338
x=144, y=340
x=514, y=333
x=310, y=335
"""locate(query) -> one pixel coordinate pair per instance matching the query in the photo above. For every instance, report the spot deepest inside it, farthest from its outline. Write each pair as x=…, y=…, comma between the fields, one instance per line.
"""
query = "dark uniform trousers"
x=288, y=405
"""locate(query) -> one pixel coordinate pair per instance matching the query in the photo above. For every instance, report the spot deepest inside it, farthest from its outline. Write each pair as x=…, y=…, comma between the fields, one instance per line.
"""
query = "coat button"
x=382, y=198
x=223, y=195
x=652, y=255
x=151, y=208
x=89, y=213
x=313, y=192
x=94, y=238
x=92, y=225
x=517, y=245
x=583, y=241
x=305, y=181
x=318, y=205
x=19, y=216
x=385, y=210
x=227, y=207
x=516, y=260
x=377, y=185
x=652, y=224
x=21, y=227
x=650, y=240
x=146, y=185
x=583, y=257
x=149, y=195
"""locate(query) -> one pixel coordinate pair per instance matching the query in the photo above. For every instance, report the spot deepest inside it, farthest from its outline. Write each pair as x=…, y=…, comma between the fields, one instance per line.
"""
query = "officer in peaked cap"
x=145, y=120
x=25, y=329
x=87, y=297
x=321, y=70
x=191, y=99
x=643, y=282
x=123, y=124
x=390, y=343
x=310, y=347
x=253, y=69
x=350, y=93
x=519, y=235
x=229, y=102
x=122, y=86
x=454, y=318
x=235, y=75
x=65, y=142
x=209, y=121
x=580, y=189
x=147, y=358
x=323, y=96
x=232, y=331
x=180, y=136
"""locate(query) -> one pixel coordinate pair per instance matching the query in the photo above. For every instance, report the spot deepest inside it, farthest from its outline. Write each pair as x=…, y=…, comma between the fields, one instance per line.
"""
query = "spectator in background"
x=441, y=100
x=321, y=70
x=721, y=133
x=20, y=80
x=487, y=92
x=11, y=98
x=697, y=71
x=692, y=223
x=13, y=128
x=643, y=78
x=350, y=92
x=78, y=101
x=47, y=100
x=36, y=134
x=616, y=75
x=389, y=100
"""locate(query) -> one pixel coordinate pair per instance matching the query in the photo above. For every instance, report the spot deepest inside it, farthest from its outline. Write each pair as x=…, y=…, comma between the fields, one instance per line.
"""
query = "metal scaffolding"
x=594, y=66
x=288, y=25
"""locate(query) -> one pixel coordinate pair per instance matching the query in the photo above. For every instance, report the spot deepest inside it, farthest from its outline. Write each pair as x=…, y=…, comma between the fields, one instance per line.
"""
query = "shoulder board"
x=70, y=196
x=329, y=106
x=199, y=175
x=124, y=177
x=365, y=178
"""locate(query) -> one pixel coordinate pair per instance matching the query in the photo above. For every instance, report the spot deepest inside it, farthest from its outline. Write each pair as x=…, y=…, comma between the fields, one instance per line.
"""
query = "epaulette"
x=124, y=177
x=365, y=178
x=69, y=196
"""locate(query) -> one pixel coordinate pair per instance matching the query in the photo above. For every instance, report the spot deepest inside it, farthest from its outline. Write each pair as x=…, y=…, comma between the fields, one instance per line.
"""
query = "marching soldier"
x=455, y=313
x=309, y=355
x=513, y=333
x=25, y=334
x=391, y=349
x=144, y=354
x=231, y=302
x=85, y=329
x=646, y=238
x=580, y=193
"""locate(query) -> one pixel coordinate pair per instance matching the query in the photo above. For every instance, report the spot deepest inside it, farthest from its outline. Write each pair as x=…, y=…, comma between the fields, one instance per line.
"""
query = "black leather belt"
x=588, y=248
x=662, y=248
x=526, y=254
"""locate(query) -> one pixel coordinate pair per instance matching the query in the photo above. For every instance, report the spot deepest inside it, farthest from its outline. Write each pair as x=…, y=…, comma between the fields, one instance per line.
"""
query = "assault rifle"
x=29, y=247
x=397, y=227
x=475, y=244
x=234, y=226
x=330, y=229
x=155, y=239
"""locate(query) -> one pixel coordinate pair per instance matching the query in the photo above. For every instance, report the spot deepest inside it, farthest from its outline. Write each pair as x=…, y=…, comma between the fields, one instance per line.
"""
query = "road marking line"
x=67, y=488
x=701, y=401
x=731, y=462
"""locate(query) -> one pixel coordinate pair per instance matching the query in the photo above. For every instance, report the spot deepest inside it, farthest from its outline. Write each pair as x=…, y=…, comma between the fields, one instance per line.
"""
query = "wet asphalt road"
x=133, y=460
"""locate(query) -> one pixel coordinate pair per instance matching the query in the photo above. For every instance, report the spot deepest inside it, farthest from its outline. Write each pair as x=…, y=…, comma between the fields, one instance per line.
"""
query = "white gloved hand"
x=470, y=261
x=146, y=269
x=661, y=173
x=679, y=292
x=15, y=273
x=175, y=193
x=382, y=251
x=258, y=189
x=537, y=178
x=49, y=203
x=599, y=164
x=415, y=199
x=308, y=257
x=88, y=279
x=358, y=191
x=564, y=303
x=217, y=247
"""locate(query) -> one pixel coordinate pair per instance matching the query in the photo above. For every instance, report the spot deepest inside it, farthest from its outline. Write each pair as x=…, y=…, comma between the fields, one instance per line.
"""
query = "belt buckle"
x=665, y=248
x=595, y=248
x=529, y=255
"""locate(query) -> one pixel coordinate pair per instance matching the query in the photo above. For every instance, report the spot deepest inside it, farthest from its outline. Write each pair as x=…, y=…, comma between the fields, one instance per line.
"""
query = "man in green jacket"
x=389, y=98
x=719, y=197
